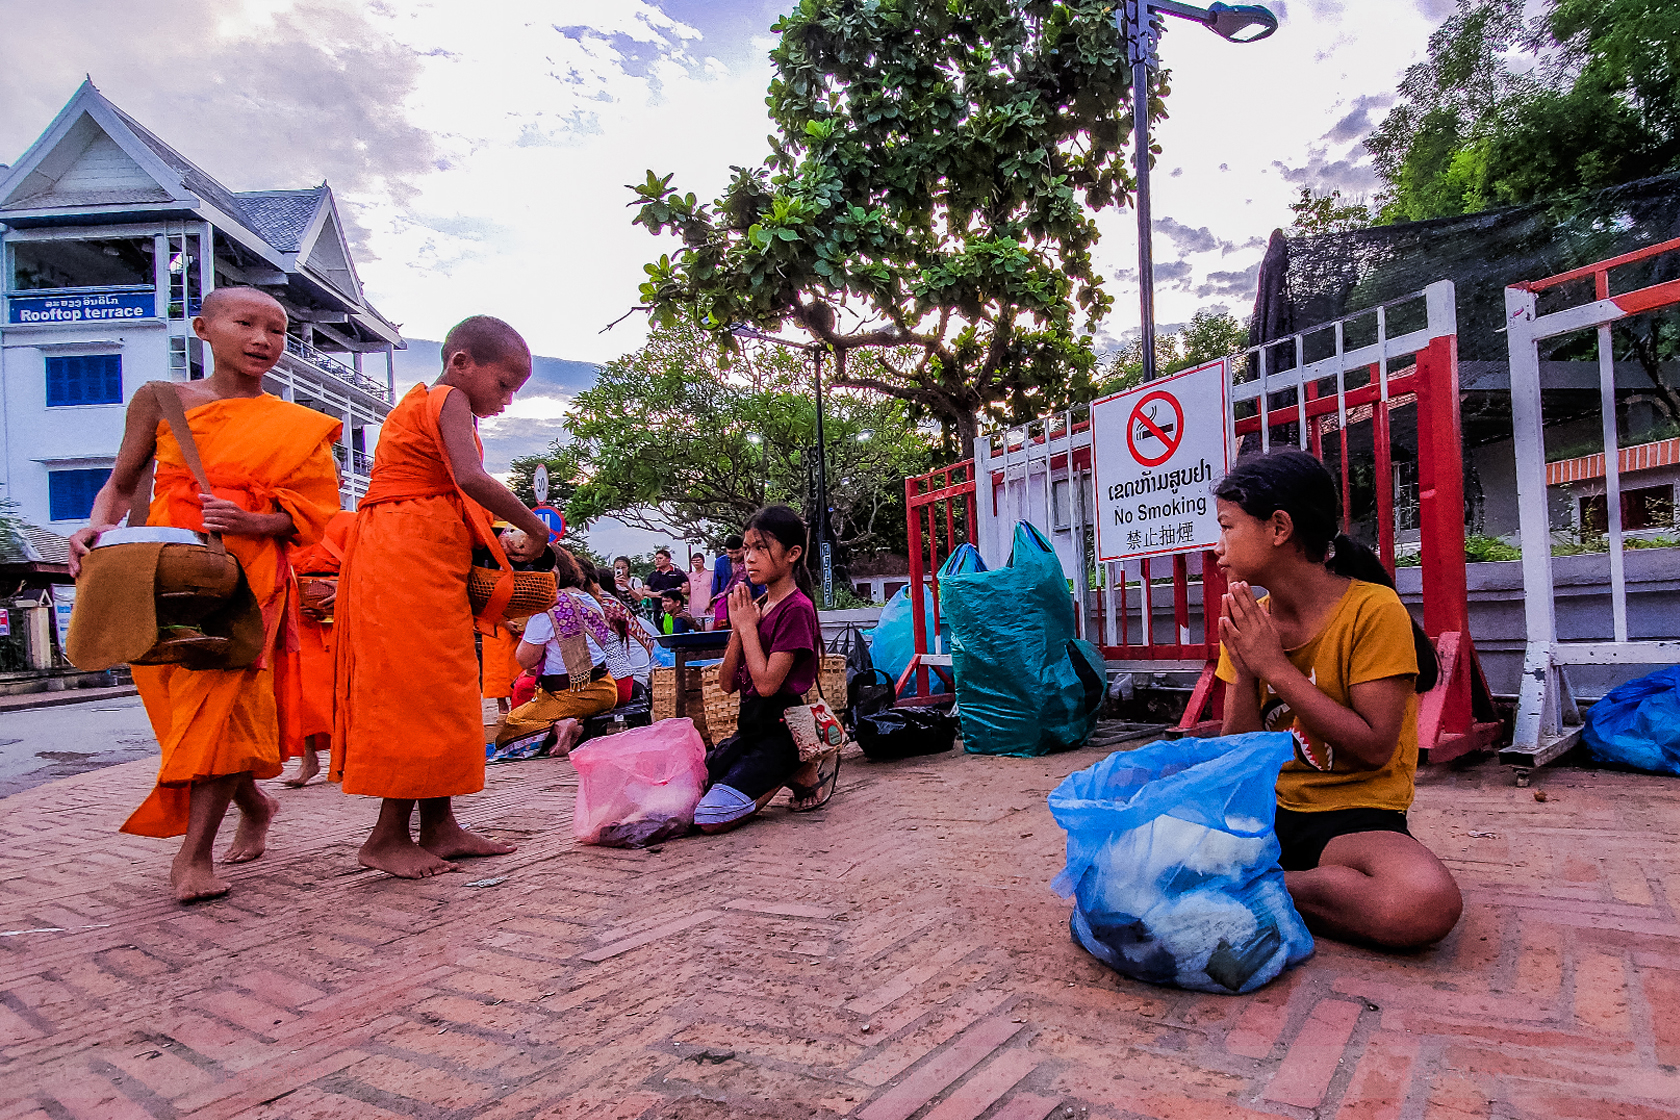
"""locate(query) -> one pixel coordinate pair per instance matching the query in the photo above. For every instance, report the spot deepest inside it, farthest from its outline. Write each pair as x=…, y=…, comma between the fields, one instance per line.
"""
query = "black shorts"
x=1304, y=835
x=761, y=755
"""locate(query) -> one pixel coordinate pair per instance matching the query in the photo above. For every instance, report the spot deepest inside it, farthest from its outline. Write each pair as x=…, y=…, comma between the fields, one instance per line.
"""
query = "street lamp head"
x=1241, y=23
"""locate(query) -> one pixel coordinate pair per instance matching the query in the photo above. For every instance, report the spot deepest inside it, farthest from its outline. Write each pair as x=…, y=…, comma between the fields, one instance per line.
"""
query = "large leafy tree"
x=930, y=193
x=1601, y=107
x=1211, y=333
x=1317, y=214
x=669, y=440
x=562, y=465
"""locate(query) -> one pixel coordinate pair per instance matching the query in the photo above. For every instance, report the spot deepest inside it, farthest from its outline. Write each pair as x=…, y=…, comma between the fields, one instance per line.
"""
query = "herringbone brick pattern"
x=898, y=956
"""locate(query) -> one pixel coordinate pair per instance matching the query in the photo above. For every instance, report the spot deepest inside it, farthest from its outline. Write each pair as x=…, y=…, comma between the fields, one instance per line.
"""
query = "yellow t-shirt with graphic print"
x=1367, y=637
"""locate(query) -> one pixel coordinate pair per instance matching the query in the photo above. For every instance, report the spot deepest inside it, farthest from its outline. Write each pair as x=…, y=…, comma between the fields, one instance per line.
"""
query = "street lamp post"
x=1139, y=24
x=825, y=549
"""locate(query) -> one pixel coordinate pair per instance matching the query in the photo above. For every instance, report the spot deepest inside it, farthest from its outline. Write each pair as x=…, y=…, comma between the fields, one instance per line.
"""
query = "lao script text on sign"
x=1157, y=450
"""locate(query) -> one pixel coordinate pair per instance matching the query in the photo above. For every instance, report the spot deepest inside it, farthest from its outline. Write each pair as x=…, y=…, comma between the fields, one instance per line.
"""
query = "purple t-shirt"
x=790, y=627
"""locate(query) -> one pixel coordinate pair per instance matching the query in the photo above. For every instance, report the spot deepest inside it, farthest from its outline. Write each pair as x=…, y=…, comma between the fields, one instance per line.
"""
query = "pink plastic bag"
x=640, y=786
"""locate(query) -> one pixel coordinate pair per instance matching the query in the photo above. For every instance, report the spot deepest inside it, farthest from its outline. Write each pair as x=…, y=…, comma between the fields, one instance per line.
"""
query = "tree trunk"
x=968, y=429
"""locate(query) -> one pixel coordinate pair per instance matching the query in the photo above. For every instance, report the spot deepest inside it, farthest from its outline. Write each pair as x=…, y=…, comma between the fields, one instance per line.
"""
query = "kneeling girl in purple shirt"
x=772, y=660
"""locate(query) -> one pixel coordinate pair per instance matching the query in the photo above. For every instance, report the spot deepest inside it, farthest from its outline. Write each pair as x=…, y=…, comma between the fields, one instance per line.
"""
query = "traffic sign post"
x=554, y=519
x=1156, y=451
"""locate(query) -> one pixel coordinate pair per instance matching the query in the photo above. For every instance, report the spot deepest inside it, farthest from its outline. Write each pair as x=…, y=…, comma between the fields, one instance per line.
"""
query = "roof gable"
x=328, y=254
x=89, y=156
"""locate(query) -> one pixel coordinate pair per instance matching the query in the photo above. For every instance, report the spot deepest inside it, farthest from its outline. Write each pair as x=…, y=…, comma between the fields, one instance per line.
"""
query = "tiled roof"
x=197, y=180
x=282, y=217
x=33, y=545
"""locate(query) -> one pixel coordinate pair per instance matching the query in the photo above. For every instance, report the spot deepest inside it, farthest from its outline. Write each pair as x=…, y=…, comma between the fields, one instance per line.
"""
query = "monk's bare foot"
x=252, y=838
x=404, y=859
x=195, y=882
x=450, y=841
x=308, y=767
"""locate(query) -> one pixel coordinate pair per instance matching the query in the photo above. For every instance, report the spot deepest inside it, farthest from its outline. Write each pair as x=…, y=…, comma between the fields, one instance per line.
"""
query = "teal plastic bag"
x=1172, y=862
x=892, y=642
x=1025, y=685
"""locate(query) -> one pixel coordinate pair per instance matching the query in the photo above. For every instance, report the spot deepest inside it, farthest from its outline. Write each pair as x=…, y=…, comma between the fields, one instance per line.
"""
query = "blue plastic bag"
x=1025, y=685
x=893, y=640
x=1172, y=860
x=1638, y=724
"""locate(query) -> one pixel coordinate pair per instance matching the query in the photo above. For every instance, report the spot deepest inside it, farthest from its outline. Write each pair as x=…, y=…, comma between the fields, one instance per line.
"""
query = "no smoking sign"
x=1155, y=428
x=1157, y=451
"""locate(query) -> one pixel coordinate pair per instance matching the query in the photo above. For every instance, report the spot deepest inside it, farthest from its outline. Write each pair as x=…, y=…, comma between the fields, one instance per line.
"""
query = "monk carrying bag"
x=157, y=595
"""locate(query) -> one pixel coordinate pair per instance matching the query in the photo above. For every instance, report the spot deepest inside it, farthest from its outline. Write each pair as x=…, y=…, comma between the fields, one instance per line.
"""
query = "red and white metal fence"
x=1548, y=721
x=1308, y=389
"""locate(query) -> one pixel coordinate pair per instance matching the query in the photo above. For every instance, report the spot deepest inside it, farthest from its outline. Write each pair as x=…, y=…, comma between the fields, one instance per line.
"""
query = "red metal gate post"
x=1448, y=723
x=922, y=496
x=918, y=612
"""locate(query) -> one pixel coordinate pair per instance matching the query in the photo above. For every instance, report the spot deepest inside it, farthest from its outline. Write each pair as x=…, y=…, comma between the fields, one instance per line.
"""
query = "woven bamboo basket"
x=723, y=709
x=665, y=699
x=831, y=678
x=532, y=591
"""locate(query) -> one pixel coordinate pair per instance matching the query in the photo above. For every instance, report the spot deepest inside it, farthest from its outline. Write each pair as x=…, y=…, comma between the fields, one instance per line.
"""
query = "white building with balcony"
x=111, y=240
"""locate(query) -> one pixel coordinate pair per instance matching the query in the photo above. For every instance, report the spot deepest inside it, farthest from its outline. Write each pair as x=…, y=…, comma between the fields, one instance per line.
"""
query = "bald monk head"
x=245, y=329
x=487, y=360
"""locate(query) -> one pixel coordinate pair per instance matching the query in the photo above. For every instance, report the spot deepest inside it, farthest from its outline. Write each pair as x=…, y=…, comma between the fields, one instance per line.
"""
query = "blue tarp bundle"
x=1172, y=860
x=1638, y=724
x=1025, y=685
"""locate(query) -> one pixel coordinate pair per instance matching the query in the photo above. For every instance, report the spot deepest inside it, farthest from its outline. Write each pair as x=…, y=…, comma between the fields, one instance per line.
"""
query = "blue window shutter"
x=70, y=494
x=84, y=379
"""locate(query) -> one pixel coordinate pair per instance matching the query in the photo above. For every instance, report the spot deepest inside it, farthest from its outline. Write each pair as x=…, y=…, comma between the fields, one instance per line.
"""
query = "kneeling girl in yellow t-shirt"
x=1330, y=655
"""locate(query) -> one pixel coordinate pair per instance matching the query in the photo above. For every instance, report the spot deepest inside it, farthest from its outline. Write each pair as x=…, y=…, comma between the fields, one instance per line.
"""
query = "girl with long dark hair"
x=774, y=652
x=1331, y=655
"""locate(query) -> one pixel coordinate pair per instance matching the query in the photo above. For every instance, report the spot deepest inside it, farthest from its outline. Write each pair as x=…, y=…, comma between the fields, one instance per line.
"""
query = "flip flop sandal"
x=824, y=789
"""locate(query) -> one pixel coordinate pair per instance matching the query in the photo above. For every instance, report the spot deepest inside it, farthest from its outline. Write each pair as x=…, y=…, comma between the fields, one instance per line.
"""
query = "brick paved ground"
x=898, y=955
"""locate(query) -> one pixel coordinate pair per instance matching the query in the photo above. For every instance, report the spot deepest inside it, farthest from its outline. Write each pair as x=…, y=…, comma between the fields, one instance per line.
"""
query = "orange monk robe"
x=409, y=720
x=305, y=687
x=499, y=664
x=265, y=455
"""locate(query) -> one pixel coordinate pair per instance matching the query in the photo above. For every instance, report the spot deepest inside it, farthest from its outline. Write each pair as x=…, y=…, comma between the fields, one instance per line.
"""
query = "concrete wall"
x=834, y=623
x=1583, y=611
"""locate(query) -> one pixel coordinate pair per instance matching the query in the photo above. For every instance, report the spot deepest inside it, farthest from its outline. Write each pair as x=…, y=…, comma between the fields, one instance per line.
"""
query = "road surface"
x=38, y=745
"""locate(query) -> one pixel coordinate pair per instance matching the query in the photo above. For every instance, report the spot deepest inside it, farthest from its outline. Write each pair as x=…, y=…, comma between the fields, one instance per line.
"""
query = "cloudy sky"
x=480, y=151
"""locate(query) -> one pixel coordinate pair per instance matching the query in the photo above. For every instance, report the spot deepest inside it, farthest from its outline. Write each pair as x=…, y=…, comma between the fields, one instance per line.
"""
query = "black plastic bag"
x=906, y=733
x=867, y=693
x=855, y=646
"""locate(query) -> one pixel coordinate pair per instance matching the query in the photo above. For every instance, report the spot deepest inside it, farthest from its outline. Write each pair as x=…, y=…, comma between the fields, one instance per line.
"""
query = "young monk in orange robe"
x=499, y=666
x=271, y=470
x=306, y=691
x=409, y=720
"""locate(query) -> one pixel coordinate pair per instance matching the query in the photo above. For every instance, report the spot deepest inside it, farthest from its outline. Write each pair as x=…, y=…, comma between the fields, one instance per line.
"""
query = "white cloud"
x=484, y=149
x=1239, y=113
x=540, y=127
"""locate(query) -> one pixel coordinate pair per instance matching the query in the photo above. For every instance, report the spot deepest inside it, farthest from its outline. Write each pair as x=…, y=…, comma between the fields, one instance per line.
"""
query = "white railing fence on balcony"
x=335, y=368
